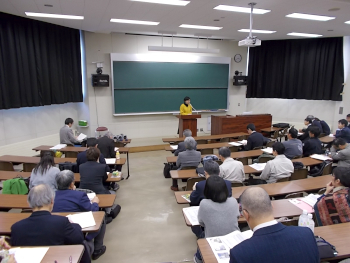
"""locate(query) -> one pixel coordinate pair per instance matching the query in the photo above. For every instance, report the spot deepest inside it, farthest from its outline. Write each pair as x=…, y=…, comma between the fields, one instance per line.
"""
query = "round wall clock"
x=238, y=58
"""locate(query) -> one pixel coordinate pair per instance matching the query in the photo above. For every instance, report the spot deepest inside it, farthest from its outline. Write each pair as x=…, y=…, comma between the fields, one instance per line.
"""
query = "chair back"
x=275, y=135
x=327, y=169
x=285, y=179
x=224, y=139
x=202, y=141
x=28, y=167
x=192, y=181
x=269, y=144
x=6, y=166
x=265, y=159
x=236, y=184
x=207, y=151
x=118, y=144
x=244, y=160
x=299, y=174
x=258, y=148
x=71, y=154
x=188, y=168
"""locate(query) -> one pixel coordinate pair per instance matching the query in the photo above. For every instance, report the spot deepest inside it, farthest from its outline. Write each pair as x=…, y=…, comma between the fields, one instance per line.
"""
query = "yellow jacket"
x=185, y=110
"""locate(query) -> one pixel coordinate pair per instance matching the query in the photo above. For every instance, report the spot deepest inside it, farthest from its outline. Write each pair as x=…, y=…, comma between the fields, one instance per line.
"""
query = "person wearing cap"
x=186, y=107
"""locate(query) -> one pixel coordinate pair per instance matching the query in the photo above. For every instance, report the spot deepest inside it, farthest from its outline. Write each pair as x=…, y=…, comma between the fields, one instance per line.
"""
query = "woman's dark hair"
x=92, y=154
x=187, y=98
x=46, y=162
x=216, y=189
x=343, y=174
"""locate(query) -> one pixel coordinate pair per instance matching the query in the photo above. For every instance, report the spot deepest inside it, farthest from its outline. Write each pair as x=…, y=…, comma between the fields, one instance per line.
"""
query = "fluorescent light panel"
x=303, y=34
x=165, y=2
x=201, y=27
x=310, y=17
x=138, y=22
x=53, y=15
x=241, y=9
x=183, y=49
x=257, y=31
x=347, y=22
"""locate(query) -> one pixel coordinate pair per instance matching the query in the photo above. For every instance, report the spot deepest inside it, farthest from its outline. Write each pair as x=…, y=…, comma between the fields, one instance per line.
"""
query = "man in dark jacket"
x=181, y=146
x=313, y=145
x=255, y=139
x=81, y=158
x=343, y=131
x=106, y=145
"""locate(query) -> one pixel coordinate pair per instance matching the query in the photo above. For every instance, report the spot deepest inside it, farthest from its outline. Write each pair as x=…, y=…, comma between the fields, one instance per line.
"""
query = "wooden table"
x=206, y=146
x=34, y=160
x=125, y=142
x=281, y=208
x=234, y=155
x=8, y=219
x=72, y=149
x=327, y=139
x=20, y=201
x=271, y=129
x=6, y=175
x=208, y=137
x=337, y=235
x=275, y=189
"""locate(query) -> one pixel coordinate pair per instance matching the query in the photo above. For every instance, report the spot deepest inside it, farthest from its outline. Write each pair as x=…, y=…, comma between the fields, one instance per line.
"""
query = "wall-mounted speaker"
x=240, y=80
x=100, y=80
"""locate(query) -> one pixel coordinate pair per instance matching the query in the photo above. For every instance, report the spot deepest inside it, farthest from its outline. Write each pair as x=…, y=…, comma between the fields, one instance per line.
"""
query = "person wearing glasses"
x=271, y=241
x=218, y=213
x=333, y=206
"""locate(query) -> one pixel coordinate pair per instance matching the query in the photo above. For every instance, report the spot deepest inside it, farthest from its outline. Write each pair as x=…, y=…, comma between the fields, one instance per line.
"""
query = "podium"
x=188, y=122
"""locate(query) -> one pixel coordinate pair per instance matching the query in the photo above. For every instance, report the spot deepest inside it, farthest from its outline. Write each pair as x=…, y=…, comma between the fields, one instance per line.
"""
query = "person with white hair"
x=181, y=146
x=42, y=228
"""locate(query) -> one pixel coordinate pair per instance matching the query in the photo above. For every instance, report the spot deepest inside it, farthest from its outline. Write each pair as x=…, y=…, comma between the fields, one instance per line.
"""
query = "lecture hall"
x=160, y=131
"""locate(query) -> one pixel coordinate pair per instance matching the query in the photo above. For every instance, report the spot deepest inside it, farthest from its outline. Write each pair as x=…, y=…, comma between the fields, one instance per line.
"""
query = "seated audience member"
x=305, y=136
x=181, y=146
x=343, y=131
x=218, y=213
x=325, y=127
x=333, y=206
x=106, y=145
x=41, y=228
x=45, y=171
x=188, y=158
x=6, y=257
x=315, y=121
x=255, y=139
x=313, y=145
x=271, y=241
x=278, y=168
x=294, y=146
x=340, y=151
x=348, y=120
x=90, y=143
x=68, y=200
x=211, y=168
x=230, y=169
x=66, y=133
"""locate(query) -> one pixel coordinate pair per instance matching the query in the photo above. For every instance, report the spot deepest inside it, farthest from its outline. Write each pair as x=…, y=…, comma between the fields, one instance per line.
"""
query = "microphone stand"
x=194, y=109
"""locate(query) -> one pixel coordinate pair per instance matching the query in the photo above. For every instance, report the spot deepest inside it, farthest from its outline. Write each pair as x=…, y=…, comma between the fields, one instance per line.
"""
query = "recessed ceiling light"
x=165, y=2
x=216, y=20
x=241, y=9
x=138, y=22
x=303, y=35
x=257, y=31
x=48, y=5
x=310, y=17
x=53, y=15
x=330, y=30
x=201, y=27
x=347, y=22
x=334, y=9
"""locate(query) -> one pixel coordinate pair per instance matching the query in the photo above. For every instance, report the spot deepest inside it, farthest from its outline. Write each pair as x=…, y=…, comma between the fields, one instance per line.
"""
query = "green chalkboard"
x=161, y=86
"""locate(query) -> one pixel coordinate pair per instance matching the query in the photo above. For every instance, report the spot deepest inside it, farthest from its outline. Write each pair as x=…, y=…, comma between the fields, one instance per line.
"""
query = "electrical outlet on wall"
x=201, y=129
x=239, y=104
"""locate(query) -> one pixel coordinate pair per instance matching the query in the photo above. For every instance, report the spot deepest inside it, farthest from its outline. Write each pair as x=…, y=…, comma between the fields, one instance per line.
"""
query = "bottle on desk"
x=303, y=219
x=117, y=155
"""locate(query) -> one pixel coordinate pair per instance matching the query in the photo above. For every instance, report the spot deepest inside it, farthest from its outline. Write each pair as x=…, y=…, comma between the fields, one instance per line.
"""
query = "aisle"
x=150, y=227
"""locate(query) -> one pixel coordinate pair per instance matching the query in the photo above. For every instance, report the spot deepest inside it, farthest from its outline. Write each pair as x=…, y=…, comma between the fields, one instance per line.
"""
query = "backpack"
x=317, y=170
x=15, y=186
x=281, y=125
x=167, y=168
x=68, y=166
x=298, y=165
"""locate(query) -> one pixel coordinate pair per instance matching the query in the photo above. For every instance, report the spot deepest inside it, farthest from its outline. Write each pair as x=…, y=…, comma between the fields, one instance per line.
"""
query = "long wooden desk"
x=76, y=150
x=271, y=129
x=206, y=146
x=34, y=160
x=276, y=189
x=6, y=175
x=62, y=253
x=327, y=139
x=234, y=155
x=208, y=137
x=337, y=235
x=20, y=201
x=8, y=219
x=281, y=208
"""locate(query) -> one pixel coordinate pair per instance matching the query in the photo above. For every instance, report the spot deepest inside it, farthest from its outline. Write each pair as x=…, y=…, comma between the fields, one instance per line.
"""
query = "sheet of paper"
x=331, y=135
x=116, y=149
x=192, y=214
x=32, y=255
x=81, y=137
x=85, y=219
x=91, y=196
x=267, y=150
x=236, y=237
x=58, y=147
x=110, y=160
x=235, y=143
x=243, y=142
x=174, y=147
x=311, y=199
x=302, y=205
x=186, y=197
x=300, y=133
x=258, y=166
x=320, y=157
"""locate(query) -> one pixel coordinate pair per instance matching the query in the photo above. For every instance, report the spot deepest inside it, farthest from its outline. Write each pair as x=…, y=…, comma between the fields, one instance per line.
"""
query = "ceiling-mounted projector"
x=250, y=41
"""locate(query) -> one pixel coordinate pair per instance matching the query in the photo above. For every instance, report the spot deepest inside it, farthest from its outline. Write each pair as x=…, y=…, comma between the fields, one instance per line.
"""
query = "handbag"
x=325, y=249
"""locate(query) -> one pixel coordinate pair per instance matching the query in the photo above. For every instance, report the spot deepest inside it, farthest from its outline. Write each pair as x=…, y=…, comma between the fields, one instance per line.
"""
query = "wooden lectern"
x=188, y=122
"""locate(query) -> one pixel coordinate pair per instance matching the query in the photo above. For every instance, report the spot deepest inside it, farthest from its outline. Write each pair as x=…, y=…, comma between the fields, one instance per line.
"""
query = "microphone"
x=193, y=108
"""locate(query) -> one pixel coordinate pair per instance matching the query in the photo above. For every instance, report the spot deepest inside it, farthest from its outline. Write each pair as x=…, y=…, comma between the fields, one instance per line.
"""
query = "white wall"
x=98, y=48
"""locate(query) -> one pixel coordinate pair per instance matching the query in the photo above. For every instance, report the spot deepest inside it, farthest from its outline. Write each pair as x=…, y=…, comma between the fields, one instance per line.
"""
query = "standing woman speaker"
x=185, y=108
